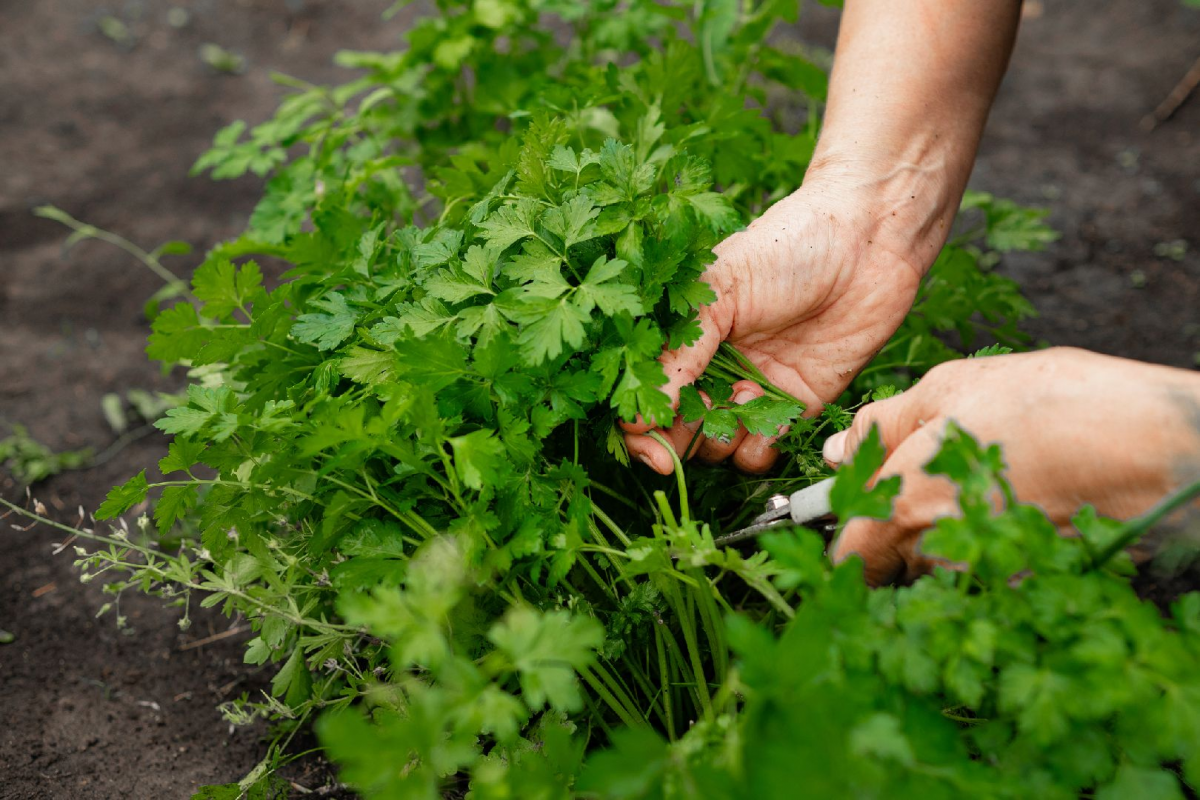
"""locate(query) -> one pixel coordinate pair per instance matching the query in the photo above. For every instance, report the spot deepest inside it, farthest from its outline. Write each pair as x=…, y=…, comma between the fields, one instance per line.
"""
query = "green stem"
x=684, y=616
x=652, y=696
x=85, y=231
x=613, y=494
x=600, y=689
x=612, y=526
x=664, y=679
x=1134, y=528
x=680, y=480
x=161, y=576
x=713, y=630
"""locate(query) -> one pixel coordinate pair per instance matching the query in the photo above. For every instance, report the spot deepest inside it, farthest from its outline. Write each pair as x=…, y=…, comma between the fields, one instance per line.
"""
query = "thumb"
x=889, y=547
x=896, y=417
x=684, y=365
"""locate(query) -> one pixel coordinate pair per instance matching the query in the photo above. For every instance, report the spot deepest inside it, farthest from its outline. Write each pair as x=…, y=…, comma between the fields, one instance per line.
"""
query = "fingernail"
x=645, y=459
x=835, y=447
x=743, y=397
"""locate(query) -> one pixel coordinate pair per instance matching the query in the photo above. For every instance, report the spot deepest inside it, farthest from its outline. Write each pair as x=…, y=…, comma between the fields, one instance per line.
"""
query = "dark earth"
x=103, y=108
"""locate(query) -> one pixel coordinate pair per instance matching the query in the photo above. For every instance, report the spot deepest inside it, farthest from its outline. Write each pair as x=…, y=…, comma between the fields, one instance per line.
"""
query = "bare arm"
x=813, y=288
x=912, y=85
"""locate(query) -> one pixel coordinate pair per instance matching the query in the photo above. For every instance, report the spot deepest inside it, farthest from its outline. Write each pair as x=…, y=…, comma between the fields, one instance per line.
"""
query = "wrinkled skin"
x=809, y=292
x=814, y=288
x=1075, y=428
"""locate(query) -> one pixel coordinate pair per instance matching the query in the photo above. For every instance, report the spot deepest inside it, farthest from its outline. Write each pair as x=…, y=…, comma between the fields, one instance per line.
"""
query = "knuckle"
x=941, y=373
x=909, y=513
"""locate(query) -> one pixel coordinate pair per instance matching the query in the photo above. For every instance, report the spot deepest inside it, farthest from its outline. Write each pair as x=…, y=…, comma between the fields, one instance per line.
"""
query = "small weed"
x=30, y=461
x=222, y=60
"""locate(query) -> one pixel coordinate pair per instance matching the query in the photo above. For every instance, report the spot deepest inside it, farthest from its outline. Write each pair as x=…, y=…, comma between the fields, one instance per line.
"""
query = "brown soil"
x=107, y=131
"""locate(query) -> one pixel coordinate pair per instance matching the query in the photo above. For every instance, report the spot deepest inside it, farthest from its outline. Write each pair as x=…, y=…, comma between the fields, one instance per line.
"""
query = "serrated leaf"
x=550, y=324
x=766, y=415
x=600, y=289
x=684, y=332
x=455, y=286
x=174, y=503
x=182, y=455
x=572, y=221
x=477, y=458
x=485, y=323
x=850, y=496
x=535, y=262
x=421, y=319
x=177, y=335
x=720, y=424
x=991, y=350
x=124, y=497
x=328, y=328
x=715, y=211
x=639, y=392
x=690, y=296
x=546, y=649
x=628, y=178
x=365, y=365
x=511, y=223
x=222, y=286
x=184, y=421
x=293, y=682
x=691, y=405
x=434, y=362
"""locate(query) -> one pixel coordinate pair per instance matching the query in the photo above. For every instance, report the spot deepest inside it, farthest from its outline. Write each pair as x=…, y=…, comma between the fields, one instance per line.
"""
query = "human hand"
x=809, y=292
x=1075, y=427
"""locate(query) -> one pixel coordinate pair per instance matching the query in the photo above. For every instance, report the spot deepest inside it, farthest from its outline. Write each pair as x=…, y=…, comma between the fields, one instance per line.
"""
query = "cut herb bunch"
x=402, y=466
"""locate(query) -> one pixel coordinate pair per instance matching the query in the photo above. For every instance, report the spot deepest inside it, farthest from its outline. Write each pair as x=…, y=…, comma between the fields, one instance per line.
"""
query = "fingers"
x=650, y=452
x=685, y=364
x=889, y=548
x=897, y=418
x=787, y=378
x=750, y=452
x=714, y=451
x=757, y=454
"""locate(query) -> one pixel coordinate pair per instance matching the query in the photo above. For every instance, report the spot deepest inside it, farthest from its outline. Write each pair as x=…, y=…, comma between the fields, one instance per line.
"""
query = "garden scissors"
x=802, y=507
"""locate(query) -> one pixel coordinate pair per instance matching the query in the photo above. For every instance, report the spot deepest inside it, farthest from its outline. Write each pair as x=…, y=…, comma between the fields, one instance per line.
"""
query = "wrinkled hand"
x=1075, y=427
x=809, y=292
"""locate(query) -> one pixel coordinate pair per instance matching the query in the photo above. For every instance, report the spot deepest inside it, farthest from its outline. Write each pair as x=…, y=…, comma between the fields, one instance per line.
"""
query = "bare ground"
x=106, y=128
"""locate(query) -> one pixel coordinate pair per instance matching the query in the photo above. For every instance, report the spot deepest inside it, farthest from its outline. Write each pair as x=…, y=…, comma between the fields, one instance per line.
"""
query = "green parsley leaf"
x=124, y=497
x=850, y=496
x=766, y=415
x=328, y=328
x=478, y=457
x=223, y=287
x=546, y=649
x=174, y=503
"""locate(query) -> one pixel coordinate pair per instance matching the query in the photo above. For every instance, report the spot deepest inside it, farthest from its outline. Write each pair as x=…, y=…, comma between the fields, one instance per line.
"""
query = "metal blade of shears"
x=799, y=508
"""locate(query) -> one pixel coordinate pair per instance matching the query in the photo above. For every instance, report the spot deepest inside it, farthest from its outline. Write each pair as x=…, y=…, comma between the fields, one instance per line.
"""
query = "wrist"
x=908, y=200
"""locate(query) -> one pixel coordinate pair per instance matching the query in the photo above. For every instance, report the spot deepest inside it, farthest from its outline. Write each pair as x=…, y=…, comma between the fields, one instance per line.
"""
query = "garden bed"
x=109, y=134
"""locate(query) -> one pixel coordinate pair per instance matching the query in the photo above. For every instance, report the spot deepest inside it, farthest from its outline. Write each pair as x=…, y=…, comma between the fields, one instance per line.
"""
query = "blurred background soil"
x=104, y=107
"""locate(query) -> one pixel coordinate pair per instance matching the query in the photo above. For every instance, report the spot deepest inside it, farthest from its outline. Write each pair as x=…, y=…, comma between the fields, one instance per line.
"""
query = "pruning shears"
x=803, y=507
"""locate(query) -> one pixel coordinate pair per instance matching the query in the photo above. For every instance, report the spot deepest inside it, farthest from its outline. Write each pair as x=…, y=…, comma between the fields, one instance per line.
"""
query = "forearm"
x=912, y=84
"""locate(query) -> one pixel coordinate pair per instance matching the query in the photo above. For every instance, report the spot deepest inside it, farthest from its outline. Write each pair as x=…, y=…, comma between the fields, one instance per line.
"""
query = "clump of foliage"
x=401, y=465
x=1033, y=670
x=30, y=461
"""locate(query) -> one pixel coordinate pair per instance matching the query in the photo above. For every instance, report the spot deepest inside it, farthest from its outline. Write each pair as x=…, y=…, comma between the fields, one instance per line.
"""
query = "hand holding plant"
x=809, y=293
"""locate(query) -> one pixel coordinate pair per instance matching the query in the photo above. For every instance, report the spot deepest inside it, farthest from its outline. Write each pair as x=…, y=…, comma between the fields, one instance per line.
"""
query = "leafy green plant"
x=1033, y=669
x=31, y=461
x=400, y=463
